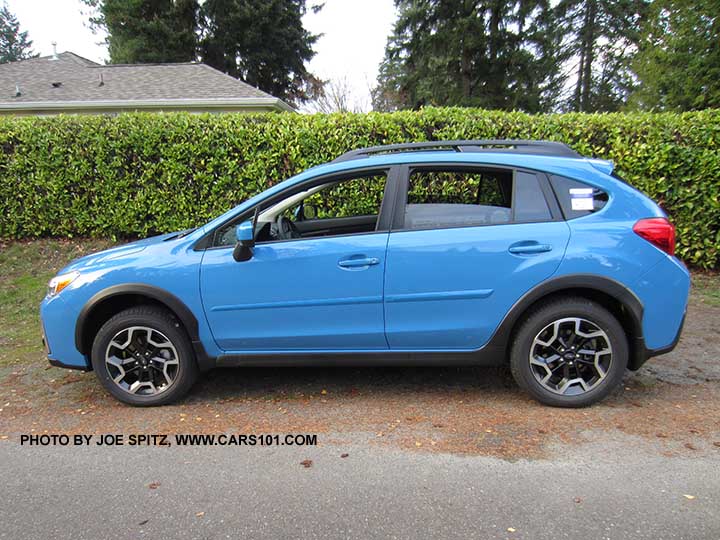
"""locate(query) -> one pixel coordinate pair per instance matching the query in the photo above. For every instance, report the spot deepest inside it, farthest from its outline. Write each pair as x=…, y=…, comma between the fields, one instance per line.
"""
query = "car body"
x=471, y=240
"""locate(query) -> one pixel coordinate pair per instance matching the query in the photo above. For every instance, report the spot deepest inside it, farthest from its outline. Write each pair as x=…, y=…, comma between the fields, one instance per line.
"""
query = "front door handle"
x=524, y=248
x=356, y=263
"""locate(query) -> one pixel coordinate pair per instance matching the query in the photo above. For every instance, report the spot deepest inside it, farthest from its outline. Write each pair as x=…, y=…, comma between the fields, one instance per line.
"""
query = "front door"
x=321, y=291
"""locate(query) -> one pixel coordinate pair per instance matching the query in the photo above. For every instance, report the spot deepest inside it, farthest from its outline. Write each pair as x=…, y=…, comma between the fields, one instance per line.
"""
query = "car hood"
x=118, y=252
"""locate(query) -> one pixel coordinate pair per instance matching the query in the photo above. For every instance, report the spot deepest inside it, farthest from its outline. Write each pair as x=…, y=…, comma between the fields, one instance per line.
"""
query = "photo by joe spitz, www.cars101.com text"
x=522, y=253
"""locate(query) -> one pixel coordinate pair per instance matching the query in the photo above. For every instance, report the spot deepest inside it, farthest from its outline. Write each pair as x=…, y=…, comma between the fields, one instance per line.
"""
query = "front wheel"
x=569, y=352
x=143, y=357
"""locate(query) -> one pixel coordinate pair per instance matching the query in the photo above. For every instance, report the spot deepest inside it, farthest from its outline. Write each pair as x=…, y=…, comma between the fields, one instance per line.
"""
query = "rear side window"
x=530, y=203
x=466, y=198
x=576, y=198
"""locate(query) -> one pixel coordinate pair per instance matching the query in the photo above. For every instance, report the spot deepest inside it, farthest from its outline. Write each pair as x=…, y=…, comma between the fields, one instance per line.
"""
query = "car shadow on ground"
x=227, y=383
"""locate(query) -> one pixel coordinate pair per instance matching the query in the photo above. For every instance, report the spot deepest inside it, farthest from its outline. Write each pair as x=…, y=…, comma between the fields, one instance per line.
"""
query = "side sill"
x=486, y=357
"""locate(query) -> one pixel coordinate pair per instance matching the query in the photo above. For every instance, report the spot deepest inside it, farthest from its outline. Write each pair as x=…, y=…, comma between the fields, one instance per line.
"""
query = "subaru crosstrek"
x=449, y=253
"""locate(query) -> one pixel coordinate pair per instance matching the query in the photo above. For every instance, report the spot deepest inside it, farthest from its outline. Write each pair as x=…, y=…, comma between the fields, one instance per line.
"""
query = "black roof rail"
x=545, y=148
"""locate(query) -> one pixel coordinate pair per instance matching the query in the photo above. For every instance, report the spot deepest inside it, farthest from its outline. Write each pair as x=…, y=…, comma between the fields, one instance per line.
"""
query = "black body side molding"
x=494, y=353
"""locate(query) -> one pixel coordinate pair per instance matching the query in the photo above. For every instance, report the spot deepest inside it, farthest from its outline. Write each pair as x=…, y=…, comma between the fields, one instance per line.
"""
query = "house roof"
x=70, y=79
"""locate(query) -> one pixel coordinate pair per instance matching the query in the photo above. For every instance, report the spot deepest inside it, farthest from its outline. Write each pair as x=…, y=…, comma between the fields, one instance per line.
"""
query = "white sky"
x=352, y=46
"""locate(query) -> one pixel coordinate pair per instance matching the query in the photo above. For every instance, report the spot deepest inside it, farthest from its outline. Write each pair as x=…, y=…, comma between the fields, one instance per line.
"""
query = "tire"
x=157, y=372
x=556, y=381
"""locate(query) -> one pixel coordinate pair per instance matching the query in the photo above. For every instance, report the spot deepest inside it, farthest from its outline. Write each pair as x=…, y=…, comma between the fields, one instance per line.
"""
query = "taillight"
x=659, y=232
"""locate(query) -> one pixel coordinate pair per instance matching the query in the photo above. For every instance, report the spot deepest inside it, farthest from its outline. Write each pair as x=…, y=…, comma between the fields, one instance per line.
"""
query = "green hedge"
x=137, y=174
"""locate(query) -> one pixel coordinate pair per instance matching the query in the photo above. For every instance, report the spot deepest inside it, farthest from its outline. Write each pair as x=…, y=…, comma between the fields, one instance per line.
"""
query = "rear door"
x=466, y=244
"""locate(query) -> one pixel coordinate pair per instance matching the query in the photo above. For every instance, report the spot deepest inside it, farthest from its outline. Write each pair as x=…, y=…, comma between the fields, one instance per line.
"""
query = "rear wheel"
x=143, y=357
x=569, y=352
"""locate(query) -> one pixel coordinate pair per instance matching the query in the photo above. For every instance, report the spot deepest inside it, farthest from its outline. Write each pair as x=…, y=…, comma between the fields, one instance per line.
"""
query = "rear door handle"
x=356, y=263
x=523, y=248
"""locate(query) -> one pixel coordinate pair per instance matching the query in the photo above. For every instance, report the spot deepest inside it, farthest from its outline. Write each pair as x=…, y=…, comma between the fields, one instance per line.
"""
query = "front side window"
x=347, y=198
x=465, y=198
x=339, y=207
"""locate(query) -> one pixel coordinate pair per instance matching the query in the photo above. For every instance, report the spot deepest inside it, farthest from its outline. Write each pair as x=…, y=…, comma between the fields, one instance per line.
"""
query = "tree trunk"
x=589, y=42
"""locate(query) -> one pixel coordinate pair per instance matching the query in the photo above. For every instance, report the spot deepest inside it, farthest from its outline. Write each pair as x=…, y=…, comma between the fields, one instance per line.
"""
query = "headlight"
x=58, y=283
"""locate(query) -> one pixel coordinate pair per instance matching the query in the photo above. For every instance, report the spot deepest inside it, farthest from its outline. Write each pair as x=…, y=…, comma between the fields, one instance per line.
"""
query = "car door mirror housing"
x=245, y=235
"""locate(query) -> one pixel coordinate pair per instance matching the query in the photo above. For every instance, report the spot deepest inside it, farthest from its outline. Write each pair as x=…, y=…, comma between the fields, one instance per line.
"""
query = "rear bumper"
x=643, y=354
x=664, y=291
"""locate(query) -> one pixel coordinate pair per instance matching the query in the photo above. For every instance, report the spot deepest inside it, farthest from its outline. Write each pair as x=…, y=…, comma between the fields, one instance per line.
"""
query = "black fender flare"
x=177, y=306
x=602, y=284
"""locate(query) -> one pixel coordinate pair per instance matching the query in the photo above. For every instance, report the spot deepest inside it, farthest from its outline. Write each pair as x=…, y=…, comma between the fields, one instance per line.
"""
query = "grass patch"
x=26, y=268
x=706, y=285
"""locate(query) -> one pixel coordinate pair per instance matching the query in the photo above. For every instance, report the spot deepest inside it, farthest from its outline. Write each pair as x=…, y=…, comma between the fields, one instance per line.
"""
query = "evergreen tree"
x=501, y=54
x=148, y=31
x=262, y=42
x=602, y=38
x=14, y=44
x=679, y=59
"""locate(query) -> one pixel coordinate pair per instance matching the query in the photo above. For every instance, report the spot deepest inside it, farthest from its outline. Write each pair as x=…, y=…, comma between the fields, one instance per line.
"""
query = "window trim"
x=398, y=224
x=385, y=213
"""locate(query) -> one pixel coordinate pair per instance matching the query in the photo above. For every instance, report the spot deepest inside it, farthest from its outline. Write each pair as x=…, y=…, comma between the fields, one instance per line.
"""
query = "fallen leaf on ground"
x=511, y=529
x=344, y=455
x=307, y=463
x=689, y=497
x=143, y=522
x=200, y=514
x=323, y=392
x=154, y=485
x=690, y=446
x=716, y=443
x=578, y=500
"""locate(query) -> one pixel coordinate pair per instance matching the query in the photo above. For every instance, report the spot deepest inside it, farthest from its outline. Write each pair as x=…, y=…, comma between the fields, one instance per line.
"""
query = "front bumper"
x=57, y=322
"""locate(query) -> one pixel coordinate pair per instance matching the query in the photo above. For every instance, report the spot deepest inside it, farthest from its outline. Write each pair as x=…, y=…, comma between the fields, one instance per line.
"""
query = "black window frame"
x=398, y=223
x=385, y=214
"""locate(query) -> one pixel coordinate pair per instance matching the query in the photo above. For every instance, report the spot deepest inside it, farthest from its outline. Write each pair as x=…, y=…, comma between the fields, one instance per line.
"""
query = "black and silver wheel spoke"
x=142, y=361
x=570, y=356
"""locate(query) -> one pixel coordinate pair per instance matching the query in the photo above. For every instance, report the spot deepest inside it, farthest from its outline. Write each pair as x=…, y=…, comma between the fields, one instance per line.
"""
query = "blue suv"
x=449, y=253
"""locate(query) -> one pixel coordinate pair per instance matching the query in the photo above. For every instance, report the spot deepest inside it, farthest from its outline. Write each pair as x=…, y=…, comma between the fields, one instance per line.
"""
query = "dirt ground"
x=673, y=401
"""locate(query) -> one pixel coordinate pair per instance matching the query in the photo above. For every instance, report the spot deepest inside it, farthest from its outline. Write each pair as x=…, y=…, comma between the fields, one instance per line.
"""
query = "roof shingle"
x=83, y=80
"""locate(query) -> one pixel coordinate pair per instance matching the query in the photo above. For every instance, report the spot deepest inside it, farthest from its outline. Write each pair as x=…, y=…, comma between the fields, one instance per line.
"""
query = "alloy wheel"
x=570, y=356
x=142, y=361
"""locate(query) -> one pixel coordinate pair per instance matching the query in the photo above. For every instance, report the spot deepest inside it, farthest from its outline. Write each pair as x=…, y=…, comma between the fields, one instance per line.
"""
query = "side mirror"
x=305, y=211
x=245, y=234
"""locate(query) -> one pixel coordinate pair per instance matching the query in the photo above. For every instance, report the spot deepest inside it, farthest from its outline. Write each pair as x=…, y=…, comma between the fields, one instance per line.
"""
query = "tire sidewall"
x=187, y=367
x=594, y=313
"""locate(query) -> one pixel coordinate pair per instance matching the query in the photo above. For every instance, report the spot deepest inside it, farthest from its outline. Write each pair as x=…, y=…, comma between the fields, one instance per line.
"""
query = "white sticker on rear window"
x=581, y=198
x=582, y=203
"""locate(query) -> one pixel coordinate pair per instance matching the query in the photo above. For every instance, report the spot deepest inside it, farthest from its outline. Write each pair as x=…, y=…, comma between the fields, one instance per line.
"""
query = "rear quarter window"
x=577, y=199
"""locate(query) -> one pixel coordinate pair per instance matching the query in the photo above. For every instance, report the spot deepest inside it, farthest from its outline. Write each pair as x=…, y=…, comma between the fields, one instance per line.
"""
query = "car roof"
x=575, y=167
